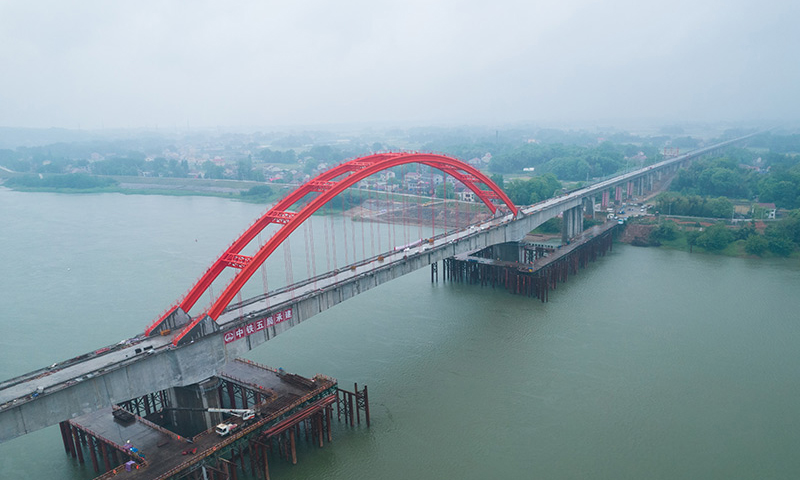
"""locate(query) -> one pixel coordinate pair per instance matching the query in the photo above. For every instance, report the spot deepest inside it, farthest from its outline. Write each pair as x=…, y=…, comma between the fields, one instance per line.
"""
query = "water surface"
x=651, y=363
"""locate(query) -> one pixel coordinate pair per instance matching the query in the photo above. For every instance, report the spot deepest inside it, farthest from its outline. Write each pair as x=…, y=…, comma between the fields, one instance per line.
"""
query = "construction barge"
x=531, y=269
x=228, y=425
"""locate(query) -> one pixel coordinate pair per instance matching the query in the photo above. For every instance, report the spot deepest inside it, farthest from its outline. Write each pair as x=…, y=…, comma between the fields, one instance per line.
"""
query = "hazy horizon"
x=190, y=65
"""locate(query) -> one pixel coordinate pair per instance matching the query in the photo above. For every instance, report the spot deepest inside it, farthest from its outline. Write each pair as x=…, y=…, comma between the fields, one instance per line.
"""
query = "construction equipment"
x=245, y=413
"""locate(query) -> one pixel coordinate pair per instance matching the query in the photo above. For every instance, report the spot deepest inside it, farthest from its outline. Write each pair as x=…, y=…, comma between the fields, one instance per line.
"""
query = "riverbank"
x=690, y=238
x=233, y=189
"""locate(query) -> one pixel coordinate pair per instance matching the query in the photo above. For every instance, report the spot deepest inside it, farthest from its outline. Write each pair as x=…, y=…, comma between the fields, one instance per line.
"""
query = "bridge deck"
x=575, y=243
x=258, y=377
x=161, y=451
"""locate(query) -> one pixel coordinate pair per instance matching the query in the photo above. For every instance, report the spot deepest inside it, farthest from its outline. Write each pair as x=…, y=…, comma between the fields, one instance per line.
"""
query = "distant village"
x=251, y=164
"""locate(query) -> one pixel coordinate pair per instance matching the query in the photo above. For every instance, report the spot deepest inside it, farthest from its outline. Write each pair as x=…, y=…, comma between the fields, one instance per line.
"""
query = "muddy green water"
x=649, y=364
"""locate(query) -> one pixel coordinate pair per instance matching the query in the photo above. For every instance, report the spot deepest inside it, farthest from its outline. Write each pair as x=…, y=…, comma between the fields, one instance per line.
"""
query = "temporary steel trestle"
x=282, y=420
x=541, y=271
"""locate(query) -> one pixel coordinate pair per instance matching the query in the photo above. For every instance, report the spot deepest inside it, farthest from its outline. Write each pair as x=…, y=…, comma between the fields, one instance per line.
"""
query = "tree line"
x=741, y=174
x=77, y=181
x=780, y=238
x=573, y=162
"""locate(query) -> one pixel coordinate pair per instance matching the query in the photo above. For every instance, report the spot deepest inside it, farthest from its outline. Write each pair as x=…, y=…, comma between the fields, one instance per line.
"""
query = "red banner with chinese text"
x=257, y=326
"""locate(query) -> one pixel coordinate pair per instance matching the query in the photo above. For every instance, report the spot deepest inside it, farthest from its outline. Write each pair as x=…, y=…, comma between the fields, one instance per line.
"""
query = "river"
x=651, y=363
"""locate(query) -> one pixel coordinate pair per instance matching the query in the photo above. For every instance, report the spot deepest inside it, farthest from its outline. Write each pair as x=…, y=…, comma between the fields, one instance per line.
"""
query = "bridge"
x=180, y=348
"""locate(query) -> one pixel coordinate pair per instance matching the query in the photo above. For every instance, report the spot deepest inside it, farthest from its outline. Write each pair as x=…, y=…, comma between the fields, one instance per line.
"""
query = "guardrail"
x=244, y=432
x=154, y=426
x=114, y=471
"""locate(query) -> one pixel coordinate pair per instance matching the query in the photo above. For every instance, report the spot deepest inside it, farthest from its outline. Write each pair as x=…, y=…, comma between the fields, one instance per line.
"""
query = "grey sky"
x=263, y=63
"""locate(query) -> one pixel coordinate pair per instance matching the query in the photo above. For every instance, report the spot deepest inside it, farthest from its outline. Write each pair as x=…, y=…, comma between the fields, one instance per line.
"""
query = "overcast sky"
x=266, y=63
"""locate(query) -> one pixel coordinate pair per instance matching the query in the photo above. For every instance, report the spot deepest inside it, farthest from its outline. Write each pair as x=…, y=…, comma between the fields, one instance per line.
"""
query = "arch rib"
x=328, y=185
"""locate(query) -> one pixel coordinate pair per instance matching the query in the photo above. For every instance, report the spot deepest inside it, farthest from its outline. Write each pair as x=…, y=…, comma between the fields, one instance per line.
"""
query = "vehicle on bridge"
x=226, y=428
x=244, y=413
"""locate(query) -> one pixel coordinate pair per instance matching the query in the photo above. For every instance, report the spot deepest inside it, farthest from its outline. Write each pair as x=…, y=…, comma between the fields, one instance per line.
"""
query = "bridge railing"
x=245, y=432
x=375, y=258
x=154, y=426
x=139, y=459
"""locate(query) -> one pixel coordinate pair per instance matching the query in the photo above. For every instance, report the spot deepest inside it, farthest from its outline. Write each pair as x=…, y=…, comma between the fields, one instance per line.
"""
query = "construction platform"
x=531, y=269
x=121, y=443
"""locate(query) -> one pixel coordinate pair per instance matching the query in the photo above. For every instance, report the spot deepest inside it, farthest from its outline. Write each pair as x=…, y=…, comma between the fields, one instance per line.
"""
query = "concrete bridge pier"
x=572, y=223
x=587, y=204
x=191, y=418
x=506, y=251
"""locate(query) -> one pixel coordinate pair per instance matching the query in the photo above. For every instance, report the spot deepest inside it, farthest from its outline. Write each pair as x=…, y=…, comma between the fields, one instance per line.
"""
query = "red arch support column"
x=327, y=185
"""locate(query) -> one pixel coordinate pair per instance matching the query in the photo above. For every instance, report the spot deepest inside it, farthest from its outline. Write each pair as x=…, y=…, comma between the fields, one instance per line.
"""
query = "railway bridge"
x=182, y=347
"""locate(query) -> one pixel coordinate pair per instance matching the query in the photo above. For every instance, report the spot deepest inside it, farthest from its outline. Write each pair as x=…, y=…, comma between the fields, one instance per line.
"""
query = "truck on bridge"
x=225, y=428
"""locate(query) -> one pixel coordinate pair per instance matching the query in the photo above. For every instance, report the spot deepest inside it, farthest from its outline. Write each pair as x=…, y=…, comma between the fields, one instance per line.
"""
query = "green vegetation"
x=135, y=164
x=345, y=201
x=76, y=181
x=590, y=222
x=782, y=187
x=671, y=203
x=570, y=162
x=716, y=177
x=526, y=192
x=83, y=183
x=551, y=226
x=779, y=239
x=665, y=231
x=715, y=237
x=784, y=235
x=554, y=225
x=278, y=156
x=497, y=179
x=258, y=194
x=707, y=187
x=756, y=245
x=744, y=174
x=777, y=143
x=440, y=190
x=767, y=171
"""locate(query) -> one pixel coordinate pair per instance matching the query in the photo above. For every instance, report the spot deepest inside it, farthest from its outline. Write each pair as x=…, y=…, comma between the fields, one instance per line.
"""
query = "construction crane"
x=223, y=428
x=245, y=413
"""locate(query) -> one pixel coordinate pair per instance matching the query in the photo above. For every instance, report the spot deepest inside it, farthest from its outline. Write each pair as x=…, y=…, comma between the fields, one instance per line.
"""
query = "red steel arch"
x=328, y=185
